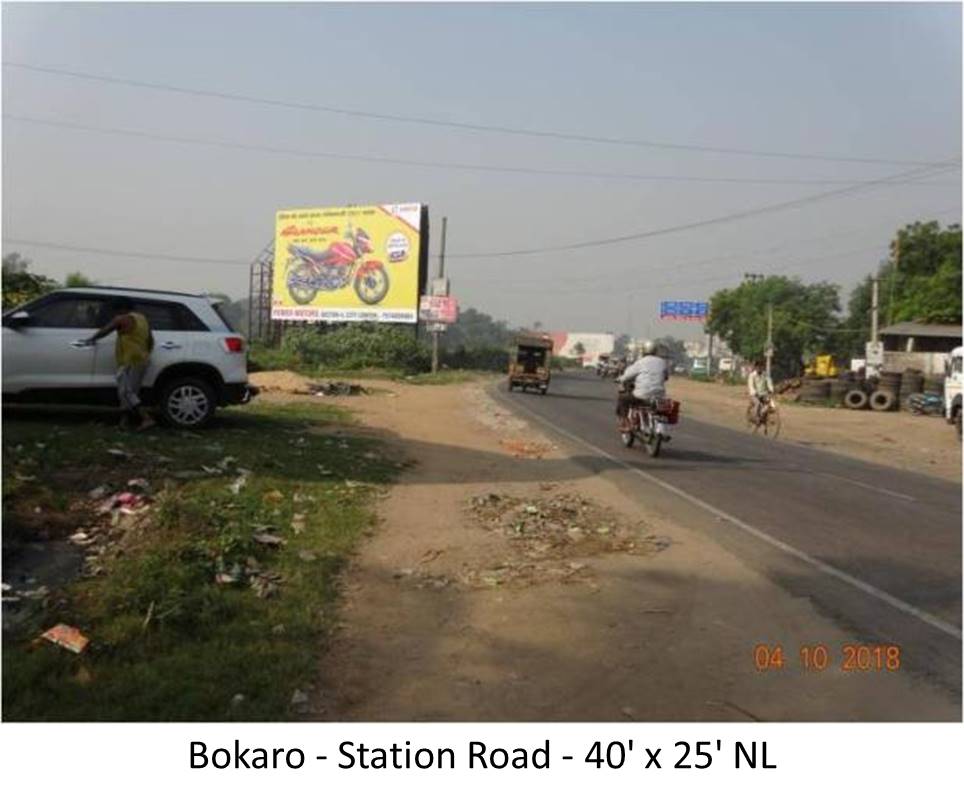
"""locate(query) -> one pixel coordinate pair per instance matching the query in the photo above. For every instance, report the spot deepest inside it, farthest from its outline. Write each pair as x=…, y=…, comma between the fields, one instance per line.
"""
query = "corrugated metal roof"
x=916, y=328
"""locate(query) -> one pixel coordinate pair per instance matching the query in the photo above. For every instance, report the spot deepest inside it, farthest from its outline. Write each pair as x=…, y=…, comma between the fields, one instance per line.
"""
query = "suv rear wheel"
x=187, y=402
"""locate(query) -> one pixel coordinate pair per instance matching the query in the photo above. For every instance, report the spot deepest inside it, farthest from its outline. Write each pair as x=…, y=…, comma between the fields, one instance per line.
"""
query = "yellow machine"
x=822, y=366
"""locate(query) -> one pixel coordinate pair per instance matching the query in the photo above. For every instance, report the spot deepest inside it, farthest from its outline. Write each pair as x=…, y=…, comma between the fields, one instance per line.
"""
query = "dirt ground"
x=475, y=601
x=925, y=444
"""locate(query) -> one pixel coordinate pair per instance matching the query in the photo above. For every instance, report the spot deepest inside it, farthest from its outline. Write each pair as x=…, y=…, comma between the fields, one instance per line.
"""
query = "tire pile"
x=884, y=397
x=814, y=390
x=912, y=382
x=934, y=384
x=890, y=392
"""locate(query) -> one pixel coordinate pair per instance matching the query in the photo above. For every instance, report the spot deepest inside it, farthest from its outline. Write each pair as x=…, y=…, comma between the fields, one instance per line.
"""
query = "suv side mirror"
x=19, y=319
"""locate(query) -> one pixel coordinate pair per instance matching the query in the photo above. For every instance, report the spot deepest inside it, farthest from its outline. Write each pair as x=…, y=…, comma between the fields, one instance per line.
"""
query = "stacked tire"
x=837, y=390
x=887, y=393
x=934, y=384
x=856, y=399
x=912, y=382
x=814, y=390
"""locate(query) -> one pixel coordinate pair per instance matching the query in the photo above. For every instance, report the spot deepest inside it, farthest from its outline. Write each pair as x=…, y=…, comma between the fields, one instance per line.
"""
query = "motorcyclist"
x=649, y=375
x=760, y=387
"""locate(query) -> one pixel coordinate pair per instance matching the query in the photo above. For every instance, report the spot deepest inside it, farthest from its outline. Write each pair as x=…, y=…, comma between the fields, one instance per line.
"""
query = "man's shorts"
x=129, y=379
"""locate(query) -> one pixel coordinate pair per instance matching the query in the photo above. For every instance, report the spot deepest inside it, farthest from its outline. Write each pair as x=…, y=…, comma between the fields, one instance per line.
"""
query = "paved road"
x=877, y=549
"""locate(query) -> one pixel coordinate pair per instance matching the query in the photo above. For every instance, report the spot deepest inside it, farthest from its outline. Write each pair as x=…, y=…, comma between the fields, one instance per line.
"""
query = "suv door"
x=174, y=328
x=45, y=351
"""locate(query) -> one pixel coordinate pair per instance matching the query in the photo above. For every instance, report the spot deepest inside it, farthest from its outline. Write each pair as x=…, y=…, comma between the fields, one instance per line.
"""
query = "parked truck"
x=953, y=382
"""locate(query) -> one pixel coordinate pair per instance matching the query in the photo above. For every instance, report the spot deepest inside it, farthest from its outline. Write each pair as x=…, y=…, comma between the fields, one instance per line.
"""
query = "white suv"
x=198, y=362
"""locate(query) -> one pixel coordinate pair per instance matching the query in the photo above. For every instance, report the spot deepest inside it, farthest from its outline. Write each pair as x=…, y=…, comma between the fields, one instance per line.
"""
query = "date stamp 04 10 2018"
x=852, y=657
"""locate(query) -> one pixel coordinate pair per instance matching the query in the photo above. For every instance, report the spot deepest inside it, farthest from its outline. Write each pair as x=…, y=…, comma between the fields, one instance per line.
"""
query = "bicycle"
x=766, y=416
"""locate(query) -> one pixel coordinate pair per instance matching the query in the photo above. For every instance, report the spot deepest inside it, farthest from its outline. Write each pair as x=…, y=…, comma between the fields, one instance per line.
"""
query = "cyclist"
x=649, y=374
x=760, y=388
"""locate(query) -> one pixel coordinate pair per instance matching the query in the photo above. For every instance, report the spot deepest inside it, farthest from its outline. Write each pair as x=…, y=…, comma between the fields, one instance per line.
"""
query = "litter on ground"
x=523, y=449
x=68, y=637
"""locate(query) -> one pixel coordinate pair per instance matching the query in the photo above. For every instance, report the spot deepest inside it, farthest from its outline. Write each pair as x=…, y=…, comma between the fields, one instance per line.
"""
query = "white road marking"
x=823, y=567
x=871, y=487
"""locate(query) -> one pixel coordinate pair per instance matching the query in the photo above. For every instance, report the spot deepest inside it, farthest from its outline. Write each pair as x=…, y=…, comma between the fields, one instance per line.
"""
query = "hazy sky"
x=860, y=81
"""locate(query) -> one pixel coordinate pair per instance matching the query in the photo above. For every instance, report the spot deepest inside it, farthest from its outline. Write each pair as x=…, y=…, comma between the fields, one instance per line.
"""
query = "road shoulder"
x=925, y=445
x=664, y=634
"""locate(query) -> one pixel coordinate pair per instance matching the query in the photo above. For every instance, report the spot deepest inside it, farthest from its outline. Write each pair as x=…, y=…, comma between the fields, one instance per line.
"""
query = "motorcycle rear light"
x=234, y=344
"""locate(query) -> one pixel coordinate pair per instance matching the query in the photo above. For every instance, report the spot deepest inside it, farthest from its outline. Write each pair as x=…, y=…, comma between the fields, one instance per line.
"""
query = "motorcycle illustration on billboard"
x=309, y=271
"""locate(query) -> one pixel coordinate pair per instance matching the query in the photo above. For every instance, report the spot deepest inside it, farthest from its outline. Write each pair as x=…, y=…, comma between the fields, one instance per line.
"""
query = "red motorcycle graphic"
x=309, y=271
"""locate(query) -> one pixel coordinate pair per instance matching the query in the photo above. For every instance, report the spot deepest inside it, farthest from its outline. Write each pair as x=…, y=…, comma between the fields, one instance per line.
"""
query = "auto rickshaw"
x=529, y=360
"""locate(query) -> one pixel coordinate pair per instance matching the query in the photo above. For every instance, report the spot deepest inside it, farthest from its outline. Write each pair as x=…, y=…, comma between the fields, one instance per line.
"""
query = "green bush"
x=488, y=359
x=355, y=346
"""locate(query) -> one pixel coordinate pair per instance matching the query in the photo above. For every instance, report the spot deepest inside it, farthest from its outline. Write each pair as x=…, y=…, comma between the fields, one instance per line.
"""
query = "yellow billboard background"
x=311, y=282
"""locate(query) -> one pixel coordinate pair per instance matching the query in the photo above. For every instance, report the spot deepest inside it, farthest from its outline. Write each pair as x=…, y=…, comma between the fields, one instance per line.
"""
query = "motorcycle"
x=652, y=422
x=309, y=271
x=926, y=403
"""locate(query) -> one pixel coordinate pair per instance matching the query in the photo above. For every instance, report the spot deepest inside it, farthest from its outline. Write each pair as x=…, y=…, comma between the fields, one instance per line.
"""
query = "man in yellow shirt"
x=132, y=352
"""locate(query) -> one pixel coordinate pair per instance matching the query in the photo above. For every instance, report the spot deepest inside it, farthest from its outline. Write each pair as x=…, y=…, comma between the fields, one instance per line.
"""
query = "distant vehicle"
x=952, y=388
x=198, y=364
x=529, y=363
x=602, y=365
x=700, y=367
x=726, y=364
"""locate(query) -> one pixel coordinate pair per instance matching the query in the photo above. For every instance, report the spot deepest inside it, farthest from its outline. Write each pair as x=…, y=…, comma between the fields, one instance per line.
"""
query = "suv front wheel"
x=187, y=402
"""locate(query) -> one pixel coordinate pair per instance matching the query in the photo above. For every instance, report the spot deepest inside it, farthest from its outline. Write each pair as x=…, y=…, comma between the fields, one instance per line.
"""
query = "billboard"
x=587, y=347
x=440, y=309
x=349, y=263
x=683, y=311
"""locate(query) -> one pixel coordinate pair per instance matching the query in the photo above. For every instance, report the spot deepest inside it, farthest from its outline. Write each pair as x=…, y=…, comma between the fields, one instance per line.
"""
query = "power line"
x=460, y=125
x=595, y=287
x=460, y=166
x=228, y=262
x=736, y=216
x=116, y=253
x=612, y=287
x=722, y=258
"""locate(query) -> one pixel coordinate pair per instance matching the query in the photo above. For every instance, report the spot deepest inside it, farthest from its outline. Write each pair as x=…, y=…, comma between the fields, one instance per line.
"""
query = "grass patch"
x=205, y=642
x=446, y=377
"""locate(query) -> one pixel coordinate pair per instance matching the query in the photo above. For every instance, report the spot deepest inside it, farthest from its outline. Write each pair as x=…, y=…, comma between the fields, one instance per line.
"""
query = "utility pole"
x=874, y=300
x=893, y=281
x=769, y=338
x=441, y=275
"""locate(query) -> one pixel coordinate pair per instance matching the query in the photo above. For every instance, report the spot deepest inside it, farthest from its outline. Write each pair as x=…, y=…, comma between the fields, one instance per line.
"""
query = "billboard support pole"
x=441, y=274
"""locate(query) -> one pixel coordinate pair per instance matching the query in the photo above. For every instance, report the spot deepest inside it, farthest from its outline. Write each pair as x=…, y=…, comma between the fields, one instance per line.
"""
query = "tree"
x=475, y=330
x=924, y=283
x=578, y=349
x=673, y=349
x=804, y=319
x=77, y=279
x=20, y=285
